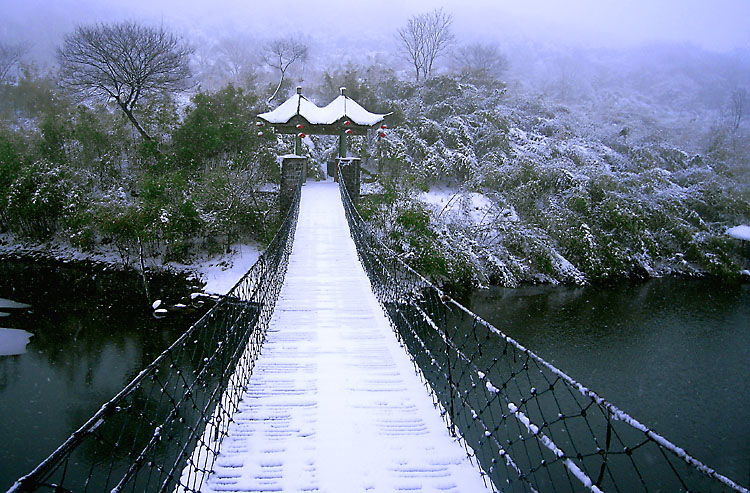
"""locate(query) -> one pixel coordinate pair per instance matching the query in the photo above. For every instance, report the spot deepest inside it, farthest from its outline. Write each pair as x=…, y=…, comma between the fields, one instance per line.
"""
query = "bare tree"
x=10, y=56
x=425, y=38
x=739, y=104
x=479, y=61
x=439, y=37
x=412, y=38
x=237, y=59
x=280, y=54
x=123, y=62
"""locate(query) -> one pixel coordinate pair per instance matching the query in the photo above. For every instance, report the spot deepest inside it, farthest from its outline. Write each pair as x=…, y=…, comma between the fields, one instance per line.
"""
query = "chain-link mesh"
x=163, y=430
x=529, y=425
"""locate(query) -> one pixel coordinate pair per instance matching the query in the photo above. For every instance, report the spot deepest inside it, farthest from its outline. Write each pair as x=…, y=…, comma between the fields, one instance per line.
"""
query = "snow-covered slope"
x=515, y=190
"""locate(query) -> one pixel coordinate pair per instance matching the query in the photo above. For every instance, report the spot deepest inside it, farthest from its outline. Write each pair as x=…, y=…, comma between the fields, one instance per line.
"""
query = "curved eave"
x=344, y=108
x=297, y=105
x=327, y=120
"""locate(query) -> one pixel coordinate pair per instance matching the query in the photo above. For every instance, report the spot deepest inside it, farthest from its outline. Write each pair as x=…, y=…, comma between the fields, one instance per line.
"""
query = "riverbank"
x=212, y=274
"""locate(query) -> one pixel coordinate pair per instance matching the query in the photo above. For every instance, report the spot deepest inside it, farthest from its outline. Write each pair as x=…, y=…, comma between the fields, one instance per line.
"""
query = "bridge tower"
x=300, y=117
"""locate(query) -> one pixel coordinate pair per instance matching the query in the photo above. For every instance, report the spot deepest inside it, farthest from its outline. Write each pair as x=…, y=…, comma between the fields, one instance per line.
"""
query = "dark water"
x=92, y=332
x=673, y=353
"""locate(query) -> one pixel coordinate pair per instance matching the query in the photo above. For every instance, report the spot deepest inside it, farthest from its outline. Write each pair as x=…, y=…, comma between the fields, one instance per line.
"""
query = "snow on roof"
x=740, y=232
x=344, y=106
x=341, y=107
x=296, y=105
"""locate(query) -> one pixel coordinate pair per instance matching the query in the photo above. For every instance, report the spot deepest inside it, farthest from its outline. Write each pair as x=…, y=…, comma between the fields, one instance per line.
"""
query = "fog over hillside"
x=570, y=50
x=717, y=26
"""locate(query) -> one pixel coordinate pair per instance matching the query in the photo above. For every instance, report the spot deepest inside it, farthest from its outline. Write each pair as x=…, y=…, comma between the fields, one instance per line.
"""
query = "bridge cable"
x=163, y=431
x=530, y=426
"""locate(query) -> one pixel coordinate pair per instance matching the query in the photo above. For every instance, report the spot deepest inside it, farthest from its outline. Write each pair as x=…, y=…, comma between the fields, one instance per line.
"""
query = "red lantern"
x=299, y=126
x=259, y=124
x=347, y=122
x=348, y=131
x=384, y=126
x=381, y=135
x=301, y=135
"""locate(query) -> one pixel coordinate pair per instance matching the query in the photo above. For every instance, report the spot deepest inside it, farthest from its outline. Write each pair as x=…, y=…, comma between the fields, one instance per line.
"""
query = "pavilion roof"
x=343, y=107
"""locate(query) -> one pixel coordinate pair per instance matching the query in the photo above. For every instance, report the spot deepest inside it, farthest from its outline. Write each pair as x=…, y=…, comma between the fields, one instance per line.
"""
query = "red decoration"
x=348, y=131
x=384, y=126
x=259, y=124
x=347, y=122
x=299, y=126
x=382, y=134
x=301, y=135
x=260, y=134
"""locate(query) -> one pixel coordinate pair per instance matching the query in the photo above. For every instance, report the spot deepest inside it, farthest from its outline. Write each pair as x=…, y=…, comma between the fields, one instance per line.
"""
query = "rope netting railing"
x=530, y=426
x=162, y=432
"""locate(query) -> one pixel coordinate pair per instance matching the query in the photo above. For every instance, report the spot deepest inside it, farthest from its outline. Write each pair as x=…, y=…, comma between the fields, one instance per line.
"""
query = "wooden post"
x=343, y=137
x=297, y=138
x=343, y=147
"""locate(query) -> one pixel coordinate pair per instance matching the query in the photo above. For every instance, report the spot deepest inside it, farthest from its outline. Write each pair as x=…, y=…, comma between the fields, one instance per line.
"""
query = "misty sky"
x=716, y=25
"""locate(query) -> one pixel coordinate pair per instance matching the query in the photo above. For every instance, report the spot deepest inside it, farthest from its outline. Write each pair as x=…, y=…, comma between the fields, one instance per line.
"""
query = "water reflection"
x=92, y=333
x=673, y=353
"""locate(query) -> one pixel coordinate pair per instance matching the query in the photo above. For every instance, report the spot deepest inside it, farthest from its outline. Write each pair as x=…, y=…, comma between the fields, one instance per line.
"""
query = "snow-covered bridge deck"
x=334, y=403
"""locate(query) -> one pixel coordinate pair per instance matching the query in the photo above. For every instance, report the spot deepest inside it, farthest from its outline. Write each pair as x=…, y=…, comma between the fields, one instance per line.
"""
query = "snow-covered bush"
x=584, y=209
x=36, y=200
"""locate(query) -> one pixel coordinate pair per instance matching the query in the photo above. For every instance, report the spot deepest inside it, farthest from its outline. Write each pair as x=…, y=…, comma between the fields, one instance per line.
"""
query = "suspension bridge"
x=333, y=366
x=319, y=394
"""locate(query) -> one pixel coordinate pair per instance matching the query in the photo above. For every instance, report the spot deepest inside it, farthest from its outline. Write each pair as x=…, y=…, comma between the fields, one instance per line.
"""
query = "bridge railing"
x=529, y=426
x=162, y=432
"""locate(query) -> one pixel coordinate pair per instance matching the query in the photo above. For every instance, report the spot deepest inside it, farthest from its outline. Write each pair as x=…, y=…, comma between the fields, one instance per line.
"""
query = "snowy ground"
x=451, y=202
x=13, y=341
x=220, y=273
x=741, y=232
x=334, y=403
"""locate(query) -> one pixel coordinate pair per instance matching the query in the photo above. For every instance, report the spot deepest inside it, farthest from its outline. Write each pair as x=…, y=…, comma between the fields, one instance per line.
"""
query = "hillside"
x=485, y=188
x=478, y=181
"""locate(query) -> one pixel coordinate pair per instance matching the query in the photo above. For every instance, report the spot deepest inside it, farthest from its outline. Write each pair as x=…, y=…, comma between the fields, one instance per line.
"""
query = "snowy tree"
x=479, y=61
x=425, y=38
x=123, y=62
x=280, y=54
x=237, y=59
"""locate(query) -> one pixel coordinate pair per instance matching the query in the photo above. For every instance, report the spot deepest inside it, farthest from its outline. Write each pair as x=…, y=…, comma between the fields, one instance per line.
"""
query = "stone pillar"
x=291, y=166
x=350, y=167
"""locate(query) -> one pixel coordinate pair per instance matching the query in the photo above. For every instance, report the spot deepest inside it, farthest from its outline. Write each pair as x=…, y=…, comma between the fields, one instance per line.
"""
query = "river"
x=673, y=353
x=89, y=332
